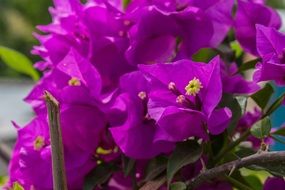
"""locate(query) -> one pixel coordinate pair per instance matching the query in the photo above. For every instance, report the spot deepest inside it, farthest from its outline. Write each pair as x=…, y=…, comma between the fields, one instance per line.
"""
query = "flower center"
x=17, y=186
x=39, y=143
x=74, y=82
x=194, y=86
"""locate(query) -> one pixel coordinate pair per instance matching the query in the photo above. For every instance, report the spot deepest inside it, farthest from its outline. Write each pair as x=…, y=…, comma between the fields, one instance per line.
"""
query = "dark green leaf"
x=243, y=152
x=232, y=103
x=178, y=186
x=204, y=55
x=155, y=167
x=18, y=62
x=261, y=128
x=185, y=153
x=263, y=96
x=237, y=183
x=277, y=169
x=275, y=105
x=248, y=65
x=128, y=165
x=99, y=176
x=280, y=131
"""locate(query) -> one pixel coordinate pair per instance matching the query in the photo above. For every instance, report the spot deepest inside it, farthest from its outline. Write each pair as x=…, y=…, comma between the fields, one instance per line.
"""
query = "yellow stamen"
x=74, y=82
x=194, y=86
x=39, y=143
x=103, y=151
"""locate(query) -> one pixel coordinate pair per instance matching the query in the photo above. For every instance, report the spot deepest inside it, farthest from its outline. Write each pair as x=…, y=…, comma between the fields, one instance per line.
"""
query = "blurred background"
x=18, y=19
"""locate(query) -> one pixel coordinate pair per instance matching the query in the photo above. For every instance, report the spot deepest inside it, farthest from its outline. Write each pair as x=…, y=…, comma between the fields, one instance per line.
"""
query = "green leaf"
x=236, y=48
x=248, y=65
x=128, y=165
x=18, y=62
x=263, y=96
x=242, y=101
x=243, y=152
x=178, y=186
x=254, y=182
x=275, y=105
x=261, y=128
x=99, y=176
x=155, y=167
x=204, y=55
x=185, y=153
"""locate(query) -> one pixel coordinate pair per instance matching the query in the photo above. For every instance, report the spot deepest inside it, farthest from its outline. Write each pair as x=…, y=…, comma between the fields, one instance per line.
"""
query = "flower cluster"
x=127, y=82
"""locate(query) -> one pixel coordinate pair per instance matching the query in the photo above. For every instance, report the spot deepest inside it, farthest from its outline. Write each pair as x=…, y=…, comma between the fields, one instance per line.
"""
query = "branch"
x=58, y=167
x=256, y=159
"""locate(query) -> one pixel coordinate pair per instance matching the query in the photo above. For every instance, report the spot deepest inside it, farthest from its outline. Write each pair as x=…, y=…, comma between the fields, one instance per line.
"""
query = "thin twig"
x=58, y=167
x=256, y=159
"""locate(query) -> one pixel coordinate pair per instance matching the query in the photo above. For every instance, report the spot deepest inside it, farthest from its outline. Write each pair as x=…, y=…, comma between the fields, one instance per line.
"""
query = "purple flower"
x=246, y=19
x=235, y=83
x=277, y=182
x=135, y=135
x=74, y=80
x=183, y=99
x=164, y=31
x=161, y=36
x=97, y=32
x=270, y=45
x=82, y=130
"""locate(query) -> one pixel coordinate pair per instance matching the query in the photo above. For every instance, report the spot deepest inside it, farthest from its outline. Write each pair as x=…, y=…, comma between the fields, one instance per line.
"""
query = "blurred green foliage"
x=279, y=4
x=18, y=19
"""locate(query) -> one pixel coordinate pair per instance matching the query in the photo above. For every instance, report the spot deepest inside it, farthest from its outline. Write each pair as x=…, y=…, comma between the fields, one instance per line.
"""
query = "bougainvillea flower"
x=74, y=80
x=96, y=32
x=81, y=130
x=270, y=45
x=277, y=182
x=219, y=12
x=135, y=136
x=183, y=98
x=234, y=83
x=160, y=36
x=246, y=19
